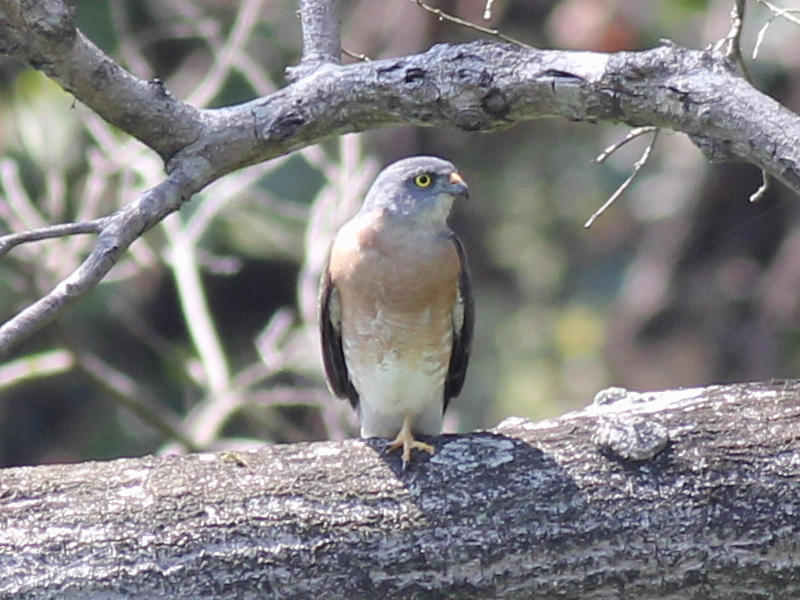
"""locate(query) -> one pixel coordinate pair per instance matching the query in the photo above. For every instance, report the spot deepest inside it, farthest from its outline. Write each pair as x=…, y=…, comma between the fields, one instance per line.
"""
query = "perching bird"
x=396, y=310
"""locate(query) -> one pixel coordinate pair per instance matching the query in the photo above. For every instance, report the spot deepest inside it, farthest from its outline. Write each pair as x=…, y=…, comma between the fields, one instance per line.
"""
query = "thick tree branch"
x=478, y=86
x=679, y=494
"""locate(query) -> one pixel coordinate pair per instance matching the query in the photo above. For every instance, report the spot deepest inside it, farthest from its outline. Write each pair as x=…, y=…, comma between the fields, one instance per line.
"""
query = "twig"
x=117, y=233
x=356, y=55
x=777, y=12
x=19, y=211
x=122, y=310
x=762, y=189
x=493, y=32
x=632, y=135
x=227, y=57
x=786, y=13
x=268, y=342
x=7, y=242
x=196, y=311
x=487, y=11
x=35, y=366
x=730, y=45
x=625, y=184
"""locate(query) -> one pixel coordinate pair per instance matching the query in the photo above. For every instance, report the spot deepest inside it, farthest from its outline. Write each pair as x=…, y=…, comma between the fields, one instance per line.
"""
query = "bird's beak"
x=459, y=185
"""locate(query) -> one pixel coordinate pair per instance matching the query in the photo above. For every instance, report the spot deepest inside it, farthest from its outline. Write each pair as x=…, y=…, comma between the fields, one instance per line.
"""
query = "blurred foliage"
x=204, y=336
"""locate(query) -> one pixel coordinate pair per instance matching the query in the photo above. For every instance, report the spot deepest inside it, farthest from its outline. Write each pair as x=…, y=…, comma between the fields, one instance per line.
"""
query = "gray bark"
x=677, y=494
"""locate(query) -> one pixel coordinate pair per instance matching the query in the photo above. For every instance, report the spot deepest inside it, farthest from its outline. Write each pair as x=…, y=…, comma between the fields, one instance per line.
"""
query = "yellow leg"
x=405, y=439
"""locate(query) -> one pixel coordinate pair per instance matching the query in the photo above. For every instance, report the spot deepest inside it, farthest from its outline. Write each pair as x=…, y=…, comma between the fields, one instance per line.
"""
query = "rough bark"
x=678, y=494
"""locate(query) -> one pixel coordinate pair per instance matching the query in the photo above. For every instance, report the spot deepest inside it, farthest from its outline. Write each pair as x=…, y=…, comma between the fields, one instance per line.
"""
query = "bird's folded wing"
x=330, y=322
x=463, y=322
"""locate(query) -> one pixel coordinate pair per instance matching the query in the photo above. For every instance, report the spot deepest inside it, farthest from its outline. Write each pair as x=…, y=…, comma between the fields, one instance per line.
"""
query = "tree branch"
x=637, y=167
x=10, y=241
x=42, y=33
x=731, y=44
x=479, y=86
x=322, y=38
x=118, y=233
x=677, y=494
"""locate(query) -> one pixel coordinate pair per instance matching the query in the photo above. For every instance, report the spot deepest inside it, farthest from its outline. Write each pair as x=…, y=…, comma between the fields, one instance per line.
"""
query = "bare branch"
x=322, y=38
x=230, y=54
x=195, y=308
x=44, y=35
x=632, y=135
x=129, y=393
x=762, y=189
x=480, y=86
x=119, y=231
x=11, y=240
x=35, y=366
x=356, y=55
x=625, y=184
x=777, y=12
x=731, y=43
x=492, y=32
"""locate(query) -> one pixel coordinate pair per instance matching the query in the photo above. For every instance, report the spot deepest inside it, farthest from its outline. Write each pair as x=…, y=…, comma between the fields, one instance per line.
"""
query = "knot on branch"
x=52, y=21
x=38, y=31
x=610, y=395
x=464, y=92
x=630, y=437
x=278, y=125
x=421, y=87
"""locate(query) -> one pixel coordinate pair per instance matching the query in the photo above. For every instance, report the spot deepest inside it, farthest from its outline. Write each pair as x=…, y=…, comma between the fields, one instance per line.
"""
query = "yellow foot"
x=405, y=439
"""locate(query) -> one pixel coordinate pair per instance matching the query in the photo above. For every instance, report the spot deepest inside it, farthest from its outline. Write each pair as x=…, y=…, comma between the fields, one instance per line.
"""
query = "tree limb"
x=7, y=242
x=322, y=39
x=42, y=33
x=118, y=233
x=678, y=494
x=479, y=86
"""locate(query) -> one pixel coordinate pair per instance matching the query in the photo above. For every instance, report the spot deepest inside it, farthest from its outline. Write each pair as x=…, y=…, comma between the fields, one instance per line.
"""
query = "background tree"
x=683, y=494
x=205, y=328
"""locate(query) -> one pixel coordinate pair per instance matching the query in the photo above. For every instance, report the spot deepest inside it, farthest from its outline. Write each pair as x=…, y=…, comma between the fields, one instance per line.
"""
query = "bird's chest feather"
x=397, y=288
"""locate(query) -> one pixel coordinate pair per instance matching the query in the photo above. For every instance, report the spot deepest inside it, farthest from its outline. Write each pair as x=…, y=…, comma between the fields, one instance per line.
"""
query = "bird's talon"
x=408, y=443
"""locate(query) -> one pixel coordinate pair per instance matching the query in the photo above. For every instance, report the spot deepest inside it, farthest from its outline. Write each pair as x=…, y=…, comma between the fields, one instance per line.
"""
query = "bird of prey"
x=396, y=308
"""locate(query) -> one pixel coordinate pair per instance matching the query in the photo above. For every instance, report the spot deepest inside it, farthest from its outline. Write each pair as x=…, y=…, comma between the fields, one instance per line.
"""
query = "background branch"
x=790, y=14
x=7, y=242
x=118, y=233
x=43, y=34
x=478, y=86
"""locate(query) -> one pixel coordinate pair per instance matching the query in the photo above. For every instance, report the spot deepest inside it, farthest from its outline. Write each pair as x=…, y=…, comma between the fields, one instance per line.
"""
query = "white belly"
x=394, y=388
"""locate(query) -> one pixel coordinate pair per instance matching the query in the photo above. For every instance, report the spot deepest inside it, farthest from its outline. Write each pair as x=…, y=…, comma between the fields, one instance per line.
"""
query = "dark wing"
x=463, y=322
x=330, y=326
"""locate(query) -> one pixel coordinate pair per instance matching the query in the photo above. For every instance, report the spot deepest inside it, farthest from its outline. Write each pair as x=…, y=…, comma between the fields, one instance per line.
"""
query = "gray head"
x=419, y=188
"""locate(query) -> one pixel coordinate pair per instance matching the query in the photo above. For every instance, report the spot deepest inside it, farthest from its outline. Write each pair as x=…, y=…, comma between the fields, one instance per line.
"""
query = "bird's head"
x=420, y=189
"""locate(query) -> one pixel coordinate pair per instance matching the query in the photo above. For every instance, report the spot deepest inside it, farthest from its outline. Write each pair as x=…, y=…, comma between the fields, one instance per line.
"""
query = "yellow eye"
x=423, y=181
